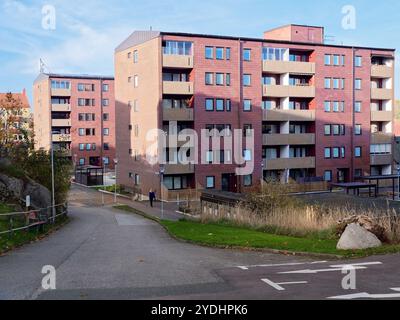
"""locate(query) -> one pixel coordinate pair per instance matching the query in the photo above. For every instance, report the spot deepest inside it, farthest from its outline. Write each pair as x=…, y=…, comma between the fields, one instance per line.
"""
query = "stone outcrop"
x=15, y=190
x=367, y=223
x=356, y=237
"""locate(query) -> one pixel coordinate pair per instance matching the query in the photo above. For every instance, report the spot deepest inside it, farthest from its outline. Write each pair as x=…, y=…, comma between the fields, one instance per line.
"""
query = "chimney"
x=24, y=92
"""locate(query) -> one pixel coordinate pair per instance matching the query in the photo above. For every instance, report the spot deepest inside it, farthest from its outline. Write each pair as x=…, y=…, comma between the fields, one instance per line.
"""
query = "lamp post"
x=115, y=186
x=53, y=197
x=398, y=180
x=162, y=171
x=104, y=183
x=262, y=176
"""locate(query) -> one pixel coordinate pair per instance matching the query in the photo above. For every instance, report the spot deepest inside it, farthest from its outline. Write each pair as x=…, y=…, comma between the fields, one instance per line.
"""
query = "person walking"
x=152, y=197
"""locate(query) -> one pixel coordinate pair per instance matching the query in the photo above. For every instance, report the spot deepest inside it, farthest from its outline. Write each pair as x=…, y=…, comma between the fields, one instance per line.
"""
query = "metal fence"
x=29, y=220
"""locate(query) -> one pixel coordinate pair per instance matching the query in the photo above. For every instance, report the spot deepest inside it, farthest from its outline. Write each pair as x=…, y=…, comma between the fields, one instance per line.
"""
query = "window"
x=106, y=161
x=219, y=79
x=82, y=161
x=106, y=102
x=88, y=146
x=247, y=155
x=336, y=83
x=328, y=176
x=358, y=130
x=209, y=78
x=129, y=55
x=219, y=105
x=358, y=61
x=336, y=153
x=81, y=146
x=327, y=59
x=137, y=180
x=328, y=83
x=247, y=130
x=209, y=104
x=247, y=105
x=336, y=129
x=327, y=106
x=135, y=106
x=327, y=153
x=106, y=131
x=357, y=106
x=327, y=130
x=343, y=152
x=56, y=84
x=247, y=54
x=219, y=53
x=106, y=146
x=248, y=180
x=336, y=60
x=228, y=53
x=81, y=87
x=135, y=56
x=274, y=54
x=267, y=105
x=209, y=53
x=178, y=48
x=106, y=87
x=106, y=117
x=136, y=81
x=228, y=79
x=377, y=149
x=81, y=132
x=358, y=84
x=210, y=182
x=228, y=105
x=209, y=157
x=247, y=80
x=358, y=173
x=358, y=152
x=342, y=60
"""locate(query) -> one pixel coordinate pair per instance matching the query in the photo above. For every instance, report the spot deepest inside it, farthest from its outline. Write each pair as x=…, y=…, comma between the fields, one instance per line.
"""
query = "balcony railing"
x=288, y=139
x=280, y=91
x=178, y=88
x=61, y=92
x=381, y=160
x=175, y=114
x=381, y=138
x=62, y=138
x=378, y=71
x=381, y=94
x=288, y=115
x=280, y=67
x=290, y=163
x=177, y=61
x=61, y=122
x=61, y=107
x=382, y=116
x=179, y=169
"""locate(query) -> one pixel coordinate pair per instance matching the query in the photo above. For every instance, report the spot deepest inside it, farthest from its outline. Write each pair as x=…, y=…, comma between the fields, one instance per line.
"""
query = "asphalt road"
x=106, y=254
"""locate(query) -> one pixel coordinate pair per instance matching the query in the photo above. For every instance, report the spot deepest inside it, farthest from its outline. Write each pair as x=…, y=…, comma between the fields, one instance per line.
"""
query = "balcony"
x=61, y=122
x=280, y=67
x=178, y=88
x=290, y=163
x=61, y=92
x=382, y=116
x=179, y=169
x=62, y=138
x=279, y=91
x=381, y=94
x=177, y=61
x=175, y=114
x=61, y=107
x=381, y=160
x=381, y=138
x=289, y=115
x=378, y=71
x=288, y=139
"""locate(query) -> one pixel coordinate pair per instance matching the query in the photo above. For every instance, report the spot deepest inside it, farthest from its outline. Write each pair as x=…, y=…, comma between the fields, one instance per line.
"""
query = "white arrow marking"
x=280, y=265
x=356, y=264
x=278, y=286
x=309, y=271
x=365, y=295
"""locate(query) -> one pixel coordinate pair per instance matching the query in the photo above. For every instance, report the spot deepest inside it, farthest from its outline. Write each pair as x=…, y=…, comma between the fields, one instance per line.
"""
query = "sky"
x=84, y=33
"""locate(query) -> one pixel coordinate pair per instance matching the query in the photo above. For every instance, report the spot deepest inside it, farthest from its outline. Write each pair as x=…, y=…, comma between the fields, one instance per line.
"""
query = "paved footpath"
x=108, y=254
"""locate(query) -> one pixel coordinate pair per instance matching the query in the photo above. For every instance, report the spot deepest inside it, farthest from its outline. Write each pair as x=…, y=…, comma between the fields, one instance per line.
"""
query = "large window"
x=178, y=48
x=247, y=105
x=273, y=54
x=210, y=182
x=209, y=52
x=247, y=80
x=328, y=176
x=209, y=78
x=248, y=180
x=209, y=104
x=219, y=79
x=358, y=61
x=247, y=54
x=219, y=53
x=377, y=149
x=176, y=182
x=58, y=84
x=219, y=103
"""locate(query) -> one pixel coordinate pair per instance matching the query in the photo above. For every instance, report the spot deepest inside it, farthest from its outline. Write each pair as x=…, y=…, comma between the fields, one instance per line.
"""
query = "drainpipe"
x=240, y=66
x=353, y=124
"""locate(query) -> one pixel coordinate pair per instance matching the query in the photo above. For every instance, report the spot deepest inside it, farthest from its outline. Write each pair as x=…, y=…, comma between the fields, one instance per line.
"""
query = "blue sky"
x=88, y=31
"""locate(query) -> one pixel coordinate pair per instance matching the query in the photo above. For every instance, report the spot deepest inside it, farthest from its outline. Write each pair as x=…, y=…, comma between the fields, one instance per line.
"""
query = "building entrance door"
x=228, y=182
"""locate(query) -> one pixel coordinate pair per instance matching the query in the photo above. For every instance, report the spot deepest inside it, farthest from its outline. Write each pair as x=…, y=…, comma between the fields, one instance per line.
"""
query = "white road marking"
x=356, y=264
x=309, y=271
x=280, y=265
x=365, y=295
x=278, y=286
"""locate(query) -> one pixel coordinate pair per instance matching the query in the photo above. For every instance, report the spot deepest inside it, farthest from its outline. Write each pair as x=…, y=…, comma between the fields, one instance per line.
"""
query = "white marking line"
x=365, y=295
x=278, y=286
x=309, y=271
x=356, y=264
x=280, y=265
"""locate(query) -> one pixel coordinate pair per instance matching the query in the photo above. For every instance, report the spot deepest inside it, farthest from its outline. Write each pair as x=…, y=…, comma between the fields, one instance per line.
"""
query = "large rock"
x=356, y=237
x=367, y=223
x=14, y=189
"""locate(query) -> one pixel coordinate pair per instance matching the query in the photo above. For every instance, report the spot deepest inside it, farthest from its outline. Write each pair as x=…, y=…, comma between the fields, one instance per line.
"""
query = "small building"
x=89, y=175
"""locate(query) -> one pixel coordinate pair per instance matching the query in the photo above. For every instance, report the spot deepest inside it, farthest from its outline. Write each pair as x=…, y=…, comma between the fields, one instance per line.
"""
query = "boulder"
x=356, y=237
x=367, y=223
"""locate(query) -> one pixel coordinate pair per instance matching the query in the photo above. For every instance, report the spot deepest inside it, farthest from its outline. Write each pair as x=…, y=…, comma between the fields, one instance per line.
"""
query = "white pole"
x=115, y=186
x=52, y=182
x=162, y=202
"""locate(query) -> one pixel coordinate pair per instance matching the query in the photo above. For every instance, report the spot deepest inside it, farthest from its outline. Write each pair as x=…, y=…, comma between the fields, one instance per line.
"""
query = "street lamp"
x=104, y=182
x=115, y=186
x=161, y=172
x=398, y=178
x=262, y=176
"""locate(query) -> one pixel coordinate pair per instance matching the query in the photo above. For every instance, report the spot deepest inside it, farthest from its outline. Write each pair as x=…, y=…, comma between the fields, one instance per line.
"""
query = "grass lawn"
x=236, y=237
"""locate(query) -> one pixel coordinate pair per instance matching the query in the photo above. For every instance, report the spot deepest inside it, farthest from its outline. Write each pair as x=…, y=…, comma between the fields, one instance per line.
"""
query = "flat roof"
x=269, y=41
x=78, y=76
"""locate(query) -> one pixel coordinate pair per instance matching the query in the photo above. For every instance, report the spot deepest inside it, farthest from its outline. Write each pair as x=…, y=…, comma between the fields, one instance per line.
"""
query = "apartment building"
x=15, y=107
x=76, y=114
x=315, y=110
